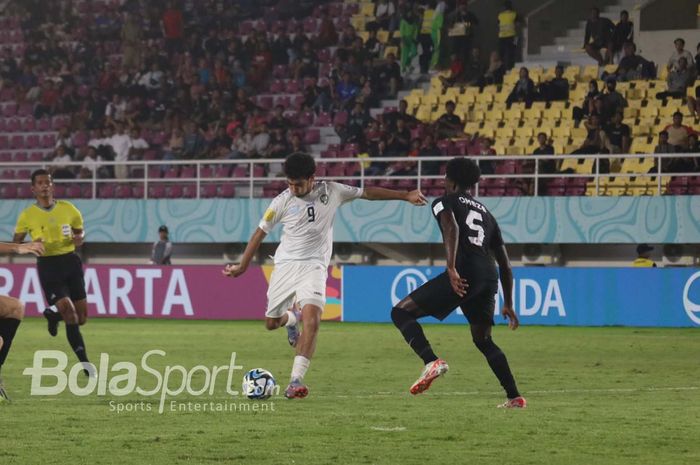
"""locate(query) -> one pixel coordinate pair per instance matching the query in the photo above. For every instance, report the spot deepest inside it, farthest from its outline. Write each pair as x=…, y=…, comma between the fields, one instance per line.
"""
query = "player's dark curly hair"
x=463, y=171
x=299, y=166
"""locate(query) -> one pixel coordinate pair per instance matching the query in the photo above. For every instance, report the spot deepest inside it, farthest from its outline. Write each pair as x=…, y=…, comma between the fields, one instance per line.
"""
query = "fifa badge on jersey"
x=66, y=230
x=324, y=199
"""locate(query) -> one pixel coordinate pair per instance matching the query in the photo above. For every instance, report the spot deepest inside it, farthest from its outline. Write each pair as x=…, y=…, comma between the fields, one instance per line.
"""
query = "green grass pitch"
x=596, y=396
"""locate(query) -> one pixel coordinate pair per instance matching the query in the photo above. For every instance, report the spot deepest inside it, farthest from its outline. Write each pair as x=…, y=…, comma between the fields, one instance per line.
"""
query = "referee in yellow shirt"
x=59, y=226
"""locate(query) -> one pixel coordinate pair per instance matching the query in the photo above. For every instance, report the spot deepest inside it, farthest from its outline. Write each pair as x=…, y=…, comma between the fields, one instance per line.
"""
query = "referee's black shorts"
x=436, y=298
x=61, y=276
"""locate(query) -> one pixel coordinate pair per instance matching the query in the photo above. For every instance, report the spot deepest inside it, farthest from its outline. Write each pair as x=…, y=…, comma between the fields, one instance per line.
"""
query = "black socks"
x=499, y=365
x=413, y=333
x=75, y=339
x=8, y=328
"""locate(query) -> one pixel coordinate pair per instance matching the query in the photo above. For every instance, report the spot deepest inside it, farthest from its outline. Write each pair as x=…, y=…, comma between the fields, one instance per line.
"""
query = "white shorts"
x=296, y=282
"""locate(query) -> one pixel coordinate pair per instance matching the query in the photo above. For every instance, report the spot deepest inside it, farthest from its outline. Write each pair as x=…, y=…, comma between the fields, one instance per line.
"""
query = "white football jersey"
x=307, y=234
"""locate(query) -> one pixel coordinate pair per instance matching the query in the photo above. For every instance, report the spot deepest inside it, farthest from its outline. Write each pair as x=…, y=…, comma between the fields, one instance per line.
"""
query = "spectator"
x=242, y=145
x=353, y=132
x=327, y=35
x=588, y=103
x=495, y=71
x=306, y=64
x=430, y=149
x=678, y=133
x=402, y=113
x=643, y=259
x=408, y=27
x=173, y=28
x=261, y=142
x=425, y=37
x=405, y=168
x=137, y=144
x=449, y=125
x=388, y=75
x=618, y=135
x=556, y=88
x=278, y=120
x=507, y=34
x=523, y=91
x=398, y=140
x=121, y=144
x=623, y=32
x=632, y=66
x=472, y=71
x=663, y=146
x=548, y=166
x=64, y=138
x=48, y=100
x=279, y=145
x=372, y=47
x=116, y=109
x=679, y=78
x=594, y=143
x=461, y=23
x=678, y=53
x=457, y=70
x=486, y=150
x=61, y=155
x=346, y=91
x=162, y=249
x=598, y=35
x=385, y=13
x=131, y=41
x=694, y=102
x=614, y=102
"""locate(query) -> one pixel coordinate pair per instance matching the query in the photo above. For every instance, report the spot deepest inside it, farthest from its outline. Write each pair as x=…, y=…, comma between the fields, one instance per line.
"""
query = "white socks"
x=291, y=318
x=301, y=364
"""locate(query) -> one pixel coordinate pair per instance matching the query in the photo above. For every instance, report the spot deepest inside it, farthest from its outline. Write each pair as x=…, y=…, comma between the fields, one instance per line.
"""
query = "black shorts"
x=61, y=276
x=436, y=298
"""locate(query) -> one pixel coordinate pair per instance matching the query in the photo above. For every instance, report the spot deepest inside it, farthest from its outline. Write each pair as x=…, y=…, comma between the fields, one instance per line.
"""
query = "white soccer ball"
x=258, y=384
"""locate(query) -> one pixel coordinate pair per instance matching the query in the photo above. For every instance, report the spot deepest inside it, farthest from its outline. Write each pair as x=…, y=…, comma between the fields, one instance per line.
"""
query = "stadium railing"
x=253, y=183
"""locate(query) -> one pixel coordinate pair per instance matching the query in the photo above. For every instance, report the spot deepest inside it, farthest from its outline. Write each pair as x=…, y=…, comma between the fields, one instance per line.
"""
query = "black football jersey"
x=479, y=235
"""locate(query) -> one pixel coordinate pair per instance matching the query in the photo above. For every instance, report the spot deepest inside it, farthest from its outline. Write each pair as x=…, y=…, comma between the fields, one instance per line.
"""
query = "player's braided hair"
x=299, y=165
x=463, y=171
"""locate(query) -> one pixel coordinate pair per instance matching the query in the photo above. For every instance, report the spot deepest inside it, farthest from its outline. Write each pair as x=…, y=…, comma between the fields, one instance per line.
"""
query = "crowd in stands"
x=188, y=80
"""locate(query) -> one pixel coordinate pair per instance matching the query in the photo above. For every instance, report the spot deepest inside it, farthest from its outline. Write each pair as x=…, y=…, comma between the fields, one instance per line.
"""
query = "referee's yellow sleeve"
x=22, y=226
x=77, y=221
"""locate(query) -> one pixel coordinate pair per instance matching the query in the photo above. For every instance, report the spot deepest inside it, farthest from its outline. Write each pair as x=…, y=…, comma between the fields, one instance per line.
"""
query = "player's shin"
x=499, y=365
x=413, y=334
x=8, y=328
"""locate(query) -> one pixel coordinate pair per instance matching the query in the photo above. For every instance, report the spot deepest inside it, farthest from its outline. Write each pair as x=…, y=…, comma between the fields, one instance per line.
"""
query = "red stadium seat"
x=227, y=191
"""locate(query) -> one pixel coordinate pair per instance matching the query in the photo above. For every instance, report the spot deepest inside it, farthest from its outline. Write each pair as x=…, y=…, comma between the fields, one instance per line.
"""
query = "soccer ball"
x=258, y=384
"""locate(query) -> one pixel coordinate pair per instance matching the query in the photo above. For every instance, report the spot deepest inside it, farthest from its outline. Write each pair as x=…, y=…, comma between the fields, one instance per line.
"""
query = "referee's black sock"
x=413, y=333
x=499, y=365
x=75, y=339
x=8, y=328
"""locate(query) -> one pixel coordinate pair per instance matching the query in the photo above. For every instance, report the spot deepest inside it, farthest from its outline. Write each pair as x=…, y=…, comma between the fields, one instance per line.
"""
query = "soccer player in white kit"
x=297, y=290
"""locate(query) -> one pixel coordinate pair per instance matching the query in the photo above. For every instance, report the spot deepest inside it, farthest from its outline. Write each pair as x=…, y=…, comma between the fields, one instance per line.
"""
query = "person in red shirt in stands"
x=173, y=28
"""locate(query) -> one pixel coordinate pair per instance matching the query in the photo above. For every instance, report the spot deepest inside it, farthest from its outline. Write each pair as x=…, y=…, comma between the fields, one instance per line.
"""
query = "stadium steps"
x=567, y=49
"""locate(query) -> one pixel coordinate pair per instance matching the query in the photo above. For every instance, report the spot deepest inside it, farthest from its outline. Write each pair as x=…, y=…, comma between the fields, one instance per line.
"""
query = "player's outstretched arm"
x=506, y=274
x=378, y=193
x=35, y=248
x=450, y=237
x=235, y=270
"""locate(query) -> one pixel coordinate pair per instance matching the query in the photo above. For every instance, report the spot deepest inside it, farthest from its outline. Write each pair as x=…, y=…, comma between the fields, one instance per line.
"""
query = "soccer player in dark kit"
x=472, y=239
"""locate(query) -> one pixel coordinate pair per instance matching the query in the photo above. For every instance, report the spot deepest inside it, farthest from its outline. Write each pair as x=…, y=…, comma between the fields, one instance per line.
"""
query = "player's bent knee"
x=18, y=310
x=272, y=323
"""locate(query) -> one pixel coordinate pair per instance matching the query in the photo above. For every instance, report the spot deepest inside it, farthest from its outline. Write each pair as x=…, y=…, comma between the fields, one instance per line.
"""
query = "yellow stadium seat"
x=532, y=113
x=506, y=132
x=579, y=132
x=545, y=129
x=492, y=89
x=663, y=74
x=484, y=98
x=586, y=166
x=631, y=113
x=367, y=9
x=478, y=115
x=617, y=186
x=466, y=99
x=531, y=122
x=500, y=106
x=471, y=127
x=568, y=164
x=524, y=132
x=501, y=97
x=358, y=22
x=658, y=84
x=610, y=68
x=590, y=72
x=541, y=106
x=514, y=150
x=635, y=104
x=558, y=105
x=641, y=84
x=561, y=132
x=513, y=114
x=364, y=35
x=668, y=111
x=488, y=131
x=649, y=112
x=638, y=146
x=494, y=115
x=646, y=164
x=640, y=130
x=522, y=141
x=383, y=36
x=423, y=113
x=436, y=114
x=391, y=50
